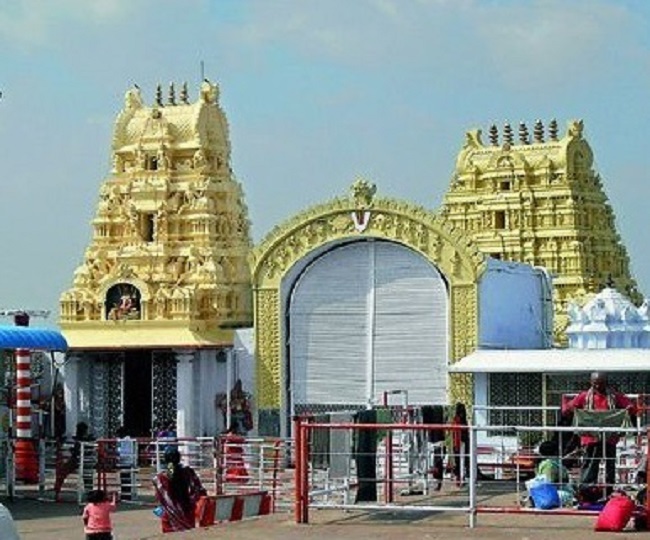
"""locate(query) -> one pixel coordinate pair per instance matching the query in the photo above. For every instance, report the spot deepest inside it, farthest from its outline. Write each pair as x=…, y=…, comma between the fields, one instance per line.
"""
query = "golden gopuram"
x=174, y=317
x=537, y=199
x=165, y=278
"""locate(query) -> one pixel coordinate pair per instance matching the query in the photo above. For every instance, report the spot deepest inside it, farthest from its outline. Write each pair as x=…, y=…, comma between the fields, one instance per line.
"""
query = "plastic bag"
x=545, y=496
x=539, y=479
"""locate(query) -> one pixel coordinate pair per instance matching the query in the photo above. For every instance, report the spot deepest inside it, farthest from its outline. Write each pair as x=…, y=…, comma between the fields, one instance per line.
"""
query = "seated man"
x=551, y=464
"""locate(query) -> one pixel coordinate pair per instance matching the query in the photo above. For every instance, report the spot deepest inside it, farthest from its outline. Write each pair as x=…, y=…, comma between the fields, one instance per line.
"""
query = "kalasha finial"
x=184, y=95
x=363, y=192
x=507, y=133
x=494, y=135
x=552, y=130
x=523, y=133
x=159, y=96
x=171, y=98
x=538, y=131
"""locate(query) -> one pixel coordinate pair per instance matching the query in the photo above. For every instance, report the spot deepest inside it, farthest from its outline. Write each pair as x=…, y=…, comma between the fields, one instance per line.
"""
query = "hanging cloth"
x=365, y=455
x=617, y=418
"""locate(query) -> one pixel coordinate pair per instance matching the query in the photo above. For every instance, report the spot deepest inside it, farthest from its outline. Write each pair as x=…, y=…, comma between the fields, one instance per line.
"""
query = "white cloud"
x=551, y=41
x=36, y=22
x=522, y=44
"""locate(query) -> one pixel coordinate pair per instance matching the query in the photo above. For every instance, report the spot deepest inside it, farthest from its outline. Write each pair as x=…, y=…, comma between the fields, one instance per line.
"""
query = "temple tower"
x=166, y=268
x=538, y=200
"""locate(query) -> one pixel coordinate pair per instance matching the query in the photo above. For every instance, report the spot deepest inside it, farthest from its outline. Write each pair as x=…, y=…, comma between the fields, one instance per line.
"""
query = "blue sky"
x=316, y=92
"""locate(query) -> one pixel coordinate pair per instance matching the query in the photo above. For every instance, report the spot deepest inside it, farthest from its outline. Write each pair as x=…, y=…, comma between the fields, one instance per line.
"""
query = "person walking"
x=460, y=444
x=604, y=407
x=97, y=515
x=177, y=490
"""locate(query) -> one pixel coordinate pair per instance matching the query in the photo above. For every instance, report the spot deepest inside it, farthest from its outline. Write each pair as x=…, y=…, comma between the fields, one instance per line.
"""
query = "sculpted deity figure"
x=160, y=301
x=162, y=158
x=81, y=277
x=575, y=128
x=199, y=160
x=118, y=163
x=175, y=269
x=132, y=217
x=161, y=221
x=175, y=201
x=209, y=92
x=133, y=99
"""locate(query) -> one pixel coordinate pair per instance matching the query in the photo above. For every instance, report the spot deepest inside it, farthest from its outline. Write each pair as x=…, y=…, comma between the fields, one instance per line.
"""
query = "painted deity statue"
x=241, y=418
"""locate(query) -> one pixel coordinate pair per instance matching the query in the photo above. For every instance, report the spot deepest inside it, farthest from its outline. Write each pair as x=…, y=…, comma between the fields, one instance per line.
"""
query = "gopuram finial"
x=507, y=134
x=494, y=135
x=159, y=96
x=363, y=192
x=171, y=98
x=523, y=133
x=538, y=131
x=552, y=130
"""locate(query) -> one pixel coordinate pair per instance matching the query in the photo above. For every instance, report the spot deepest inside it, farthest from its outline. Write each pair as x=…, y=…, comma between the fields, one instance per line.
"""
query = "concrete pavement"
x=61, y=521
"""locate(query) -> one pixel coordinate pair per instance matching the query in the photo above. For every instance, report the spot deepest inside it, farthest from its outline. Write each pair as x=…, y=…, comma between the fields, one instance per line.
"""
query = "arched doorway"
x=365, y=317
x=279, y=264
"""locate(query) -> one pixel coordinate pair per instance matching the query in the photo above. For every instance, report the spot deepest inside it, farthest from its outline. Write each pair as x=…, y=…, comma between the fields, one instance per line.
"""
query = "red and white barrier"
x=242, y=506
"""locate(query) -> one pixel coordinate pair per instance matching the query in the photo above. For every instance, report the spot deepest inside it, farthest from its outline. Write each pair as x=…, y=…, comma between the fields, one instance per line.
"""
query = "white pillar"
x=185, y=394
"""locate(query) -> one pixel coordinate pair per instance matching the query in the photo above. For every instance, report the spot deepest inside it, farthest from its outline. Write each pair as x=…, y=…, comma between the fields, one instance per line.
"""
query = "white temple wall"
x=207, y=389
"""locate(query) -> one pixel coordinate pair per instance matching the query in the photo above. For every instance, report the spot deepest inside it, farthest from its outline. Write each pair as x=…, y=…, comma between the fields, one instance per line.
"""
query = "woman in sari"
x=178, y=489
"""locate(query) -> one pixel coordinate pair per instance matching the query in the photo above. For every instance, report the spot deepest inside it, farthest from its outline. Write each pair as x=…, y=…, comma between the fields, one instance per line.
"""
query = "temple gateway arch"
x=359, y=296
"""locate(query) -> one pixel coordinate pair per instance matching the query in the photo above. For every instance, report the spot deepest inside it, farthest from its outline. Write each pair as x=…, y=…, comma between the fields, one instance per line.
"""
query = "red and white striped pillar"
x=23, y=394
x=26, y=457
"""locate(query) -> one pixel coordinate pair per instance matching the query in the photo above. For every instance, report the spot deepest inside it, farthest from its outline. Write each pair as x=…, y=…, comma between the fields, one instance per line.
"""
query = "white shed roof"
x=553, y=361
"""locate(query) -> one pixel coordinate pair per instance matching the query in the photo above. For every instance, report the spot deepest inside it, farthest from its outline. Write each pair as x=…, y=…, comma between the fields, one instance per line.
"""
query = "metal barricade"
x=379, y=472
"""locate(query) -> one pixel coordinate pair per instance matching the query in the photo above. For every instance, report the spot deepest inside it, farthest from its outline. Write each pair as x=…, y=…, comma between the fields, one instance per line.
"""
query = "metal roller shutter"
x=411, y=309
x=366, y=317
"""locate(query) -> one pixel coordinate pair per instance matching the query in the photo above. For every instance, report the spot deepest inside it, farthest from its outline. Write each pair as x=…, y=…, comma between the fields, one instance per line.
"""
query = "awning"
x=553, y=361
x=21, y=337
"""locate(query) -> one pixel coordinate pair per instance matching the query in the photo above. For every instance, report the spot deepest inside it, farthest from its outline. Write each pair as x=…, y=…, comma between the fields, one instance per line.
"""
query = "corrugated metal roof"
x=553, y=361
x=20, y=337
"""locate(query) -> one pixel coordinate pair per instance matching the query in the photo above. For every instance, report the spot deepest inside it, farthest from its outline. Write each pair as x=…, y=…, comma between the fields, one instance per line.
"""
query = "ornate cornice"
x=526, y=155
x=392, y=219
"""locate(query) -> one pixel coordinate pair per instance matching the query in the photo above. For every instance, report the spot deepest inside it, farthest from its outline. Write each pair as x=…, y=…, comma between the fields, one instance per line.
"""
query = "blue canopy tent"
x=21, y=337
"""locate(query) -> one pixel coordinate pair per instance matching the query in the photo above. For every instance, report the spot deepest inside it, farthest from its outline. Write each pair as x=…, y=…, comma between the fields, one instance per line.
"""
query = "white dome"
x=608, y=320
x=608, y=306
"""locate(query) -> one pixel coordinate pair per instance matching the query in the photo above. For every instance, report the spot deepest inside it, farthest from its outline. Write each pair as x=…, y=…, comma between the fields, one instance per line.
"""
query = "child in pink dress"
x=97, y=515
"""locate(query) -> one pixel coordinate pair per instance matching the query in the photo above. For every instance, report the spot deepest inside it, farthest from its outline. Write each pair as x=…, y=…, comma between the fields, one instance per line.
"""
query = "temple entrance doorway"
x=138, y=392
x=363, y=318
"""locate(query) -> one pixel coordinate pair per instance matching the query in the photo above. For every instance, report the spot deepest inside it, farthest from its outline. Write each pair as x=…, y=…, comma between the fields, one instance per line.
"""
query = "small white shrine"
x=608, y=321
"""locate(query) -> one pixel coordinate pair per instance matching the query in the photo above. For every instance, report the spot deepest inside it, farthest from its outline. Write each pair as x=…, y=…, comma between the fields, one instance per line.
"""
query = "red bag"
x=616, y=514
x=205, y=510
